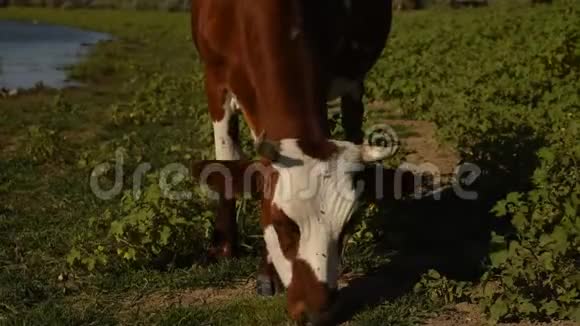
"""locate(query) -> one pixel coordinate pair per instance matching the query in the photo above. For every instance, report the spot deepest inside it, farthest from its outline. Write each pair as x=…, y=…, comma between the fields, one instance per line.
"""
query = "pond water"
x=32, y=53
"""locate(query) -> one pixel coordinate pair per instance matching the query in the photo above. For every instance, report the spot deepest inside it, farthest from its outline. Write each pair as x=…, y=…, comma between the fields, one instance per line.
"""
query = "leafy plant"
x=61, y=105
x=148, y=226
x=160, y=100
x=537, y=265
x=510, y=105
x=442, y=290
x=41, y=144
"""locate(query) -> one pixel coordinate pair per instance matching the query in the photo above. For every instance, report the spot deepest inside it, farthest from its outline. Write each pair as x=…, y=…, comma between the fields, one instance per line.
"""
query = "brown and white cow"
x=277, y=62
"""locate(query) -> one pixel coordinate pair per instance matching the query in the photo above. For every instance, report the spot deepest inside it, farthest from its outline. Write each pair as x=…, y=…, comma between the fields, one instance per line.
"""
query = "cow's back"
x=348, y=36
x=213, y=39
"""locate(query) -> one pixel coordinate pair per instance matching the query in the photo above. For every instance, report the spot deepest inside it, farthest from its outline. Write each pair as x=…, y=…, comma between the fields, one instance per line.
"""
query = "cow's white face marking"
x=225, y=147
x=320, y=197
x=344, y=87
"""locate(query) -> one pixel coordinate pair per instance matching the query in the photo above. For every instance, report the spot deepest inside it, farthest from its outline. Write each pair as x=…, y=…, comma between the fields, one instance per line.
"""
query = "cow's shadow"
x=449, y=234
x=388, y=282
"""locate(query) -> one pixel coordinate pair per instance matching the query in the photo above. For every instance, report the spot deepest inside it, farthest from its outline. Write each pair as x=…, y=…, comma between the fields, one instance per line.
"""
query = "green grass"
x=143, y=92
x=45, y=200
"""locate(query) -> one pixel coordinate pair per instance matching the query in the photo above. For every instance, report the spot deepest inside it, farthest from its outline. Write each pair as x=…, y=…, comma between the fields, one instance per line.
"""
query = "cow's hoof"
x=265, y=286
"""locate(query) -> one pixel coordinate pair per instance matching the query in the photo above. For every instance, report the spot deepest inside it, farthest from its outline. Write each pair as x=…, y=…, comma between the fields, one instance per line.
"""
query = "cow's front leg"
x=281, y=237
x=222, y=107
x=352, y=109
x=268, y=283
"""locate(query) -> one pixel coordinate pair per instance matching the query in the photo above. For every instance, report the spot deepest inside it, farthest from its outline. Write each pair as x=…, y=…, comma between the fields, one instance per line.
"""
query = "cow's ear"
x=380, y=183
x=230, y=179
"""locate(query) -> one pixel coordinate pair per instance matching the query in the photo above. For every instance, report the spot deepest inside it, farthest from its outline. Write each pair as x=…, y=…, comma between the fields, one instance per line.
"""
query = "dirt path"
x=424, y=147
x=164, y=299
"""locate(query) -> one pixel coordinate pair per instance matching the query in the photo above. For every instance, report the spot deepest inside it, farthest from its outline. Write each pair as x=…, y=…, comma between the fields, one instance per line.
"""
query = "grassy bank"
x=68, y=257
x=51, y=139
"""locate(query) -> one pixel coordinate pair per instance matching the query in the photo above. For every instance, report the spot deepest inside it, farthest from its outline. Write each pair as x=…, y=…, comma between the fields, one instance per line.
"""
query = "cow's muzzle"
x=326, y=316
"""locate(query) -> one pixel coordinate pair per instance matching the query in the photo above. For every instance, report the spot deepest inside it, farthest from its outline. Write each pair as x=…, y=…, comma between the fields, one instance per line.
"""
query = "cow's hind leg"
x=222, y=107
x=352, y=109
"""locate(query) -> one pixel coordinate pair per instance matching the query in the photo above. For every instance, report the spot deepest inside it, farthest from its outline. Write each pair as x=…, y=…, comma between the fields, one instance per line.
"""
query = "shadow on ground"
x=448, y=233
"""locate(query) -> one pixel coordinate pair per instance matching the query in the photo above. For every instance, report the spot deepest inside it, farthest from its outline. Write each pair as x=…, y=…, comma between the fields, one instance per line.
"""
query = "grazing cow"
x=277, y=62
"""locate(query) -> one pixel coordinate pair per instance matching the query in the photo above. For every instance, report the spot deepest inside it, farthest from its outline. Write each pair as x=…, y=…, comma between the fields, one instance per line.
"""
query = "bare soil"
x=8, y=145
x=163, y=299
x=425, y=149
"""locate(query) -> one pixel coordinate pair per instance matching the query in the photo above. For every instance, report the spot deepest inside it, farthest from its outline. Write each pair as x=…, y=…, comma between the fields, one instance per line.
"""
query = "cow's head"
x=307, y=201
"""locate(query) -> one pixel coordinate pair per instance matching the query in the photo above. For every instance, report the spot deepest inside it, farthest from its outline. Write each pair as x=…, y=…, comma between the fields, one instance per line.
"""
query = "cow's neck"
x=288, y=86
